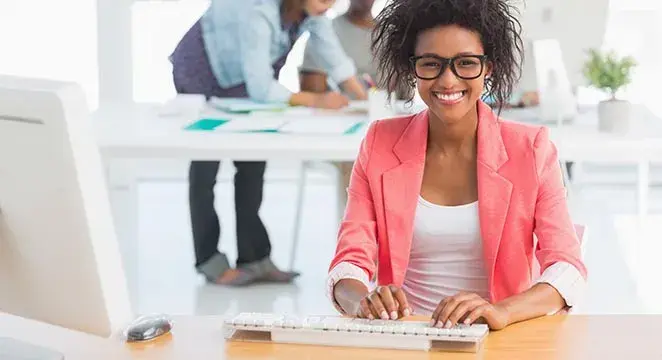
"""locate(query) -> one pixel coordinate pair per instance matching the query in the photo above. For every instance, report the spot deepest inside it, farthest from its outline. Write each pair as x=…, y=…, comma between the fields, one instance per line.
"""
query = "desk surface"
x=556, y=337
x=137, y=131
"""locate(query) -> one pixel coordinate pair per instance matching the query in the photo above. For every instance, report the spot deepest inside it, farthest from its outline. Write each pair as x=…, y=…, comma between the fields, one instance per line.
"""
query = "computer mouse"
x=148, y=327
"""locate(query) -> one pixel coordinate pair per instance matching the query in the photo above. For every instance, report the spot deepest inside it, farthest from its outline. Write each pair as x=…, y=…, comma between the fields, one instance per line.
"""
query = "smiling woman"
x=443, y=205
x=486, y=29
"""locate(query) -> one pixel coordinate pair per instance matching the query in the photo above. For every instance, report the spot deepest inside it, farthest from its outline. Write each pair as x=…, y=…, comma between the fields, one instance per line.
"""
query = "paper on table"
x=250, y=124
x=241, y=105
x=357, y=106
x=182, y=104
x=322, y=125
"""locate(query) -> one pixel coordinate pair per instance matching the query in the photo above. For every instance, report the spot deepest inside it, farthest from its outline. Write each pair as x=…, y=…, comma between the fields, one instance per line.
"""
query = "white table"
x=581, y=141
x=136, y=131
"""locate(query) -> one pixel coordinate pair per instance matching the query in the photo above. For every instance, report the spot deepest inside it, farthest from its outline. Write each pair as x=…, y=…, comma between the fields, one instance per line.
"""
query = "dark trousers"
x=252, y=239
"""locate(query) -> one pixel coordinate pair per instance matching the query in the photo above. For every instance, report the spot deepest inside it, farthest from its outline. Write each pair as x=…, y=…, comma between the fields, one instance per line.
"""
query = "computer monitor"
x=577, y=25
x=59, y=258
x=557, y=101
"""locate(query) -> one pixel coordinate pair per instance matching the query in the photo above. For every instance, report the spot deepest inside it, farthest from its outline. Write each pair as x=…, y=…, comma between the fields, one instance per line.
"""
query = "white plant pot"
x=614, y=116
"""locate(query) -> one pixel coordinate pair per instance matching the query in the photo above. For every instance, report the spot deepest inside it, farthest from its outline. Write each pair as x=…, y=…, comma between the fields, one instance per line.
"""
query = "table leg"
x=122, y=185
x=643, y=183
x=565, y=171
x=301, y=188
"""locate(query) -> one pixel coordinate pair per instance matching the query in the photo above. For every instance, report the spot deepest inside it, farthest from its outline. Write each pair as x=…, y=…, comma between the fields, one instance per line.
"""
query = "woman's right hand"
x=386, y=303
x=330, y=100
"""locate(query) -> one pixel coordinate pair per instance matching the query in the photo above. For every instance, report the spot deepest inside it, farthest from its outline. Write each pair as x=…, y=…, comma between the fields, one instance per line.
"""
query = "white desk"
x=136, y=131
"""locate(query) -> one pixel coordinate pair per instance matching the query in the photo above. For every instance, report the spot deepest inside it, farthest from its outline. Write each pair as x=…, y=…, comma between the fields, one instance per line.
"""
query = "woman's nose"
x=447, y=78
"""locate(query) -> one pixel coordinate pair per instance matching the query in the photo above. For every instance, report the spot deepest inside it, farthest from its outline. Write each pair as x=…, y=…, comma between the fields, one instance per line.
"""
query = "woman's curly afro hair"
x=399, y=24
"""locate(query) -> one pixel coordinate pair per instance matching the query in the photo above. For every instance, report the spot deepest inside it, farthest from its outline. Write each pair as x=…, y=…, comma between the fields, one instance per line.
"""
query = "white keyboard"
x=341, y=331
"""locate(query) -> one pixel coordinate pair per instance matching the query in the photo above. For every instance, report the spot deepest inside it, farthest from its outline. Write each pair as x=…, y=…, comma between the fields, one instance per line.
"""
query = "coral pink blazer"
x=520, y=193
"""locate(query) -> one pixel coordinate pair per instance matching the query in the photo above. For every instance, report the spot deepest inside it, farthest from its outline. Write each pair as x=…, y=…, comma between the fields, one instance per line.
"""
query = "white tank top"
x=446, y=255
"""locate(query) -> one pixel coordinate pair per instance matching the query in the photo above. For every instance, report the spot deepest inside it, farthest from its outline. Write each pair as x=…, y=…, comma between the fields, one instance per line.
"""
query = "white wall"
x=50, y=39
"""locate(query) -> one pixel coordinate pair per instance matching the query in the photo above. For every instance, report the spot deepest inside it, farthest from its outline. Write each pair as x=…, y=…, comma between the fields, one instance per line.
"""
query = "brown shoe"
x=237, y=277
x=258, y=271
x=271, y=273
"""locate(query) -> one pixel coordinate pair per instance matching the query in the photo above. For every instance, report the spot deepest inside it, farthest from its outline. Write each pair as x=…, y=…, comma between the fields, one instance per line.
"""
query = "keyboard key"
x=332, y=323
x=410, y=330
x=279, y=323
x=454, y=332
x=383, y=322
x=313, y=320
x=365, y=328
x=351, y=327
x=400, y=329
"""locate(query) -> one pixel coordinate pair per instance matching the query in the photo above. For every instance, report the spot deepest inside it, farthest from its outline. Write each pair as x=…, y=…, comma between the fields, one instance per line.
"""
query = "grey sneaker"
x=270, y=273
x=262, y=271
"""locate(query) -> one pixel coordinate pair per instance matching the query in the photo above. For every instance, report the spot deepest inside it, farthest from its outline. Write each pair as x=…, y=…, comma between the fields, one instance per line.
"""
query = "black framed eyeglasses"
x=430, y=67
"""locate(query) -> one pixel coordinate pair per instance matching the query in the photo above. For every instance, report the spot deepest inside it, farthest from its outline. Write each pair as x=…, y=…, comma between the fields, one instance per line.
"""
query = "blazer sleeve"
x=357, y=238
x=557, y=238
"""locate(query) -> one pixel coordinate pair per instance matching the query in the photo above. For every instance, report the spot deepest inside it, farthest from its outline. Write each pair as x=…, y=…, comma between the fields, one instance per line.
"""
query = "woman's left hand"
x=467, y=308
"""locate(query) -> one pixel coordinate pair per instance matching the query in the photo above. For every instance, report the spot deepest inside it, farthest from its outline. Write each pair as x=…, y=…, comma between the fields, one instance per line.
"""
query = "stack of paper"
x=183, y=105
x=248, y=124
x=321, y=126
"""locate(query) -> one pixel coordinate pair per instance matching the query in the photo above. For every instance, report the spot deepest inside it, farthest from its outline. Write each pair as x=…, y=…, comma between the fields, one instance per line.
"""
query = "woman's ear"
x=489, y=66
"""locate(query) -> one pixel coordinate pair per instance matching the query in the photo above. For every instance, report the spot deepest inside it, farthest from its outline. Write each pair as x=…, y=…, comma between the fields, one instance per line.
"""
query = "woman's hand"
x=385, y=302
x=468, y=308
x=330, y=100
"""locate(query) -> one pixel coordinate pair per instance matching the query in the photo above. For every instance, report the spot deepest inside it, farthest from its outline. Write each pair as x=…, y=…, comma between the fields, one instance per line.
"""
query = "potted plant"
x=609, y=73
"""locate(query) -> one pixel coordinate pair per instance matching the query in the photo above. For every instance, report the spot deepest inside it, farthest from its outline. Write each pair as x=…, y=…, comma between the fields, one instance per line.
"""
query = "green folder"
x=354, y=128
x=206, y=124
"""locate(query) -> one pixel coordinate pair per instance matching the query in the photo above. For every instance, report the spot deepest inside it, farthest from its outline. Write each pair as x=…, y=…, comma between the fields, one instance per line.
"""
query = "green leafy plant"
x=608, y=72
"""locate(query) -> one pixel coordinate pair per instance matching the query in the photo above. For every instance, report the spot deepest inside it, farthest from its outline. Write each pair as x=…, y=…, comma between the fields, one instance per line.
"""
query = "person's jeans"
x=252, y=238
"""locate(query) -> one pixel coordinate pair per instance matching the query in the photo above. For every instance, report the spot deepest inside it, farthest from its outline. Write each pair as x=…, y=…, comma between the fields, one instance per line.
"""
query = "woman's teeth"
x=450, y=96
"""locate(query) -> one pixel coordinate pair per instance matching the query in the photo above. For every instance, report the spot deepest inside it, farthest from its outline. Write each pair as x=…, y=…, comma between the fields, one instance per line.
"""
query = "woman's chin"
x=449, y=116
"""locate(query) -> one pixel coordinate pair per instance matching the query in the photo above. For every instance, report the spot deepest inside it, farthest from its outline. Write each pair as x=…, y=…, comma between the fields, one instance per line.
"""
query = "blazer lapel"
x=401, y=186
x=494, y=190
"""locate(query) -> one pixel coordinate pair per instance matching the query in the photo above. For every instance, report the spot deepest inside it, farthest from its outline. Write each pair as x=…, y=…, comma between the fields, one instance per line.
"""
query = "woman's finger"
x=379, y=309
x=450, y=305
x=401, y=299
x=364, y=309
x=437, y=311
x=475, y=314
x=462, y=310
x=388, y=301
